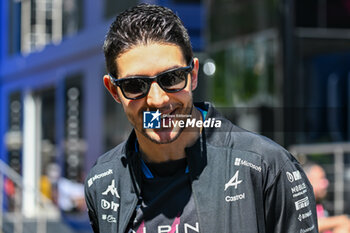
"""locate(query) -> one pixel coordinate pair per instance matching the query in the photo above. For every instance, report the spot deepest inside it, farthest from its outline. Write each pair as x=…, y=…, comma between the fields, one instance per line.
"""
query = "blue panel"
x=193, y=17
x=89, y=41
x=3, y=29
x=18, y=28
x=322, y=96
x=93, y=14
x=149, y=1
x=85, y=44
x=93, y=112
x=197, y=43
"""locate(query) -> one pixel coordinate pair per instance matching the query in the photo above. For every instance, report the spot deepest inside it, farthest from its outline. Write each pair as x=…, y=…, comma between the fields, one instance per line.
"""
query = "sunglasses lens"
x=173, y=80
x=133, y=88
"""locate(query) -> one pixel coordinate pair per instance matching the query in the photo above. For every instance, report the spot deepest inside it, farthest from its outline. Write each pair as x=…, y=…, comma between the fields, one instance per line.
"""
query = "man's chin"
x=163, y=136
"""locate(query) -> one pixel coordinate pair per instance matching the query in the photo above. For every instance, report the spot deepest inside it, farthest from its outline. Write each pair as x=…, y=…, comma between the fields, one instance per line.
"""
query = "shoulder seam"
x=232, y=149
x=277, y=175
x=117, y=157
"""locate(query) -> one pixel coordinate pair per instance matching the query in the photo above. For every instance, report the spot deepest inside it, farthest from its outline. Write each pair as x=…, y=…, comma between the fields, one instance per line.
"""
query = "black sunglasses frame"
x=150, y=80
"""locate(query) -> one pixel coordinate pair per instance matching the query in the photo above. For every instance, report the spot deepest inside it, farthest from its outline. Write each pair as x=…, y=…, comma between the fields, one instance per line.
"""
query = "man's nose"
x=156, y=97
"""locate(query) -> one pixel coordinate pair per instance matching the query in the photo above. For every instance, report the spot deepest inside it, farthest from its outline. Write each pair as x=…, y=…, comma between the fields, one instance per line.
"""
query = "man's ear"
x=111, y=87
x=194, y=73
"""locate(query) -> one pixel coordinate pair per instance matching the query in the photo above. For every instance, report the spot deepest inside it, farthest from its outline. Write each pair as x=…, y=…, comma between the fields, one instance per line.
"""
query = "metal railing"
x=338, y=150
x=16, y=215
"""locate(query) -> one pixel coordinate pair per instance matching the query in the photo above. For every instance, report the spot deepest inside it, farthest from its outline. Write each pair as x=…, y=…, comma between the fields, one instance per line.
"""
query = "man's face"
x=150, y=60
x=319, y=181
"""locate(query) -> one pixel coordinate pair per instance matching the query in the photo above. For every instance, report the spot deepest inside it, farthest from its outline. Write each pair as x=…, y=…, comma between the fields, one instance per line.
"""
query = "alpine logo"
x=234, y=181
x=175, y=227
x=111, y=189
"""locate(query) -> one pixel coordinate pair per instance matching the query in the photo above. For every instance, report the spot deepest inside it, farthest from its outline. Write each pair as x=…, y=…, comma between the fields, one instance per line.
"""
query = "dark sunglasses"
x=137, y=87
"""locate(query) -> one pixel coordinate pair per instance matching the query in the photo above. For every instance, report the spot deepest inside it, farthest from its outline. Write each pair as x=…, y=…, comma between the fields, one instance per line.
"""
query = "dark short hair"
x=141, y=25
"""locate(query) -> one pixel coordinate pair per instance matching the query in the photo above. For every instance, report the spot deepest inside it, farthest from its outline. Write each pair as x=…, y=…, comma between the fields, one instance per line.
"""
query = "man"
x=319, y=182
x=185, y=168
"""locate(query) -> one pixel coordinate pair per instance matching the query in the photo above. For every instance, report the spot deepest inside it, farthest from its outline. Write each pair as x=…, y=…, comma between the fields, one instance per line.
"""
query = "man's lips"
x=167, y=116
x=168, y=113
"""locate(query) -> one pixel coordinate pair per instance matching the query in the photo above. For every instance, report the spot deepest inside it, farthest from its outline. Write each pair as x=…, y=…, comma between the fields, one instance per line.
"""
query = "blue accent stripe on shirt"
x=204, y=113
x=148, y=174
x=136, y=146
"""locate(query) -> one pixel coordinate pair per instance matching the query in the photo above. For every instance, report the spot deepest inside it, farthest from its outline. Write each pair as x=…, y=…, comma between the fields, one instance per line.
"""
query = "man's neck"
x=153, y=152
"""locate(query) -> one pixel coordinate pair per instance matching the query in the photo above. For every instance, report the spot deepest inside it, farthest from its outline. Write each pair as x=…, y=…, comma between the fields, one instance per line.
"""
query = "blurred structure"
x=326, y=223
x=331, y=156
x=284, y=65
x=56, y=117
x=282, y=69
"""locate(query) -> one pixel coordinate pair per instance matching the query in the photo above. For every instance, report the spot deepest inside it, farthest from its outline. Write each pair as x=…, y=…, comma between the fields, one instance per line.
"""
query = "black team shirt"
x=167, y=202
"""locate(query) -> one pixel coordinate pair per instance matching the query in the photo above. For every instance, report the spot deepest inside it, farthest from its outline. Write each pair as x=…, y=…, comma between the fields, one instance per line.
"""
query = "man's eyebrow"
x=142, y=75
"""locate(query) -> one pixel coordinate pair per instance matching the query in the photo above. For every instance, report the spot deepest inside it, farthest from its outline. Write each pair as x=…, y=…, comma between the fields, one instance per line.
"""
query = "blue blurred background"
x=277, y=67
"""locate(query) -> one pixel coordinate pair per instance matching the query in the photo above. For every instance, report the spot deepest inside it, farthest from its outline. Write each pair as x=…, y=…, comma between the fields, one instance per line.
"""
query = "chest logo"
x=294, y=176
x=109, y=205
x=99, y=176
x=109, y=218
x=111, y=189
x=234, y=181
